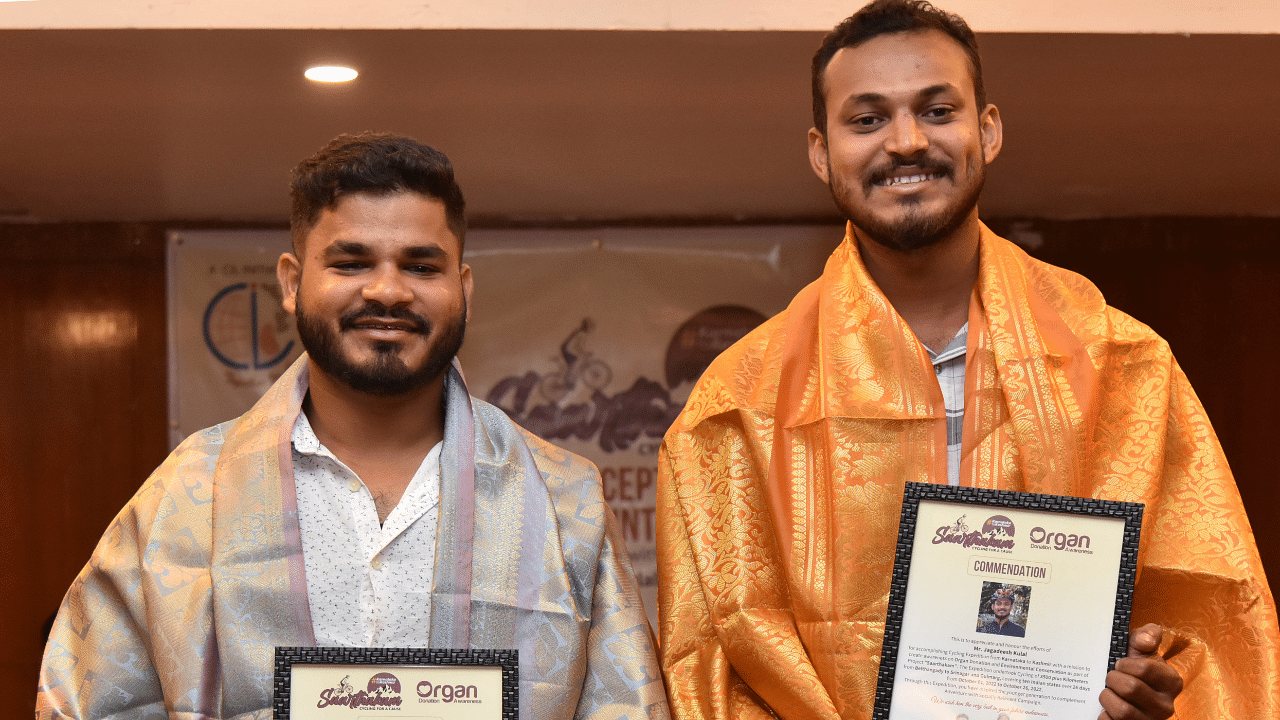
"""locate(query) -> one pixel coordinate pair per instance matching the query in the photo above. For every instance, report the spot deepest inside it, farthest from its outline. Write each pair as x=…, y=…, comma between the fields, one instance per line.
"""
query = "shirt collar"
x=304, y=438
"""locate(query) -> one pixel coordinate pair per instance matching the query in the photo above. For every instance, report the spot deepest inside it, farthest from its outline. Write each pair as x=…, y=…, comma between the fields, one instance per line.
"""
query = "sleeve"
x=623, y=677
x=1201, y=577
x=701, y=682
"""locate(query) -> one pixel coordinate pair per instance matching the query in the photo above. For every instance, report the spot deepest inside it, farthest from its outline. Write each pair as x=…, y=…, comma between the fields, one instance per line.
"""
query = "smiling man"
x=931, y=350
x=1002, y=607
x=365, y=501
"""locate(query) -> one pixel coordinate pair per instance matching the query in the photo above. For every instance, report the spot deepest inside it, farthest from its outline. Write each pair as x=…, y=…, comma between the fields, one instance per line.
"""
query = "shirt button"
x=355, y=486
x=376, y=563
x=937, y=369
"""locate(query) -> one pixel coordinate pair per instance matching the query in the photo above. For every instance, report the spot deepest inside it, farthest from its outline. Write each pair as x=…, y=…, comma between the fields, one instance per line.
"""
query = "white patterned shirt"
x=948, y=365
x=368, y=585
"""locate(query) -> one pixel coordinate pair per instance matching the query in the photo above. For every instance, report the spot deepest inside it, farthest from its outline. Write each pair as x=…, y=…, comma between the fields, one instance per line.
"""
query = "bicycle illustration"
x=576, y=365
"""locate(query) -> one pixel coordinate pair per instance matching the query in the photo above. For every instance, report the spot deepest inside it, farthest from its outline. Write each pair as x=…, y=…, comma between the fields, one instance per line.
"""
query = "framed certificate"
x=340, y=683
x=1005, y=605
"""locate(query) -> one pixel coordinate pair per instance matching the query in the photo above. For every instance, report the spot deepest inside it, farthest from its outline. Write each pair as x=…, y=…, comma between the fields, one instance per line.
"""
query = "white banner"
x=591, y=339
x=229, y=338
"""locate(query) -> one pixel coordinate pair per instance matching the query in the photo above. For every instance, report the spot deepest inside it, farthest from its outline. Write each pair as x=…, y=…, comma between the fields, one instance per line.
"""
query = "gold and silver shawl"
x=201, y=576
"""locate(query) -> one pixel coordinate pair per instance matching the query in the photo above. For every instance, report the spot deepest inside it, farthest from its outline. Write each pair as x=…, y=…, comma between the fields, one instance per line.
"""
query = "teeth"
x=890, y=182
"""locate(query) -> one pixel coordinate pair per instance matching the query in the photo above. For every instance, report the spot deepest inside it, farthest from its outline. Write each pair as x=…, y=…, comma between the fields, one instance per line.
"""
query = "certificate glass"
x=1006, y=603
x=331, y=683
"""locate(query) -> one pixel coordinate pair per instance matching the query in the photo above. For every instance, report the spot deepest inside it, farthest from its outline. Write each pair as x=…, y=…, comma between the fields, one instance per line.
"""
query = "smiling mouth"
x=378, y=319
x=908, y=179
x=385, y=327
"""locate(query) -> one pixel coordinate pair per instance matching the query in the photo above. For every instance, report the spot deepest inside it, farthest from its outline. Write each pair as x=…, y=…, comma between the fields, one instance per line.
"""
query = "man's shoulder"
x=200, y=451
x=551, y=460
x=571, y=482
x=1082, y=306
x=743, y=377
x=190, y=468
x=180, y=487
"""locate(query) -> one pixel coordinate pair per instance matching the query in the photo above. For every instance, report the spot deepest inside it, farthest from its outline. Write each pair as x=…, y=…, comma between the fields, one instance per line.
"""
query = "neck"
x=358, y=425
x=929, y=287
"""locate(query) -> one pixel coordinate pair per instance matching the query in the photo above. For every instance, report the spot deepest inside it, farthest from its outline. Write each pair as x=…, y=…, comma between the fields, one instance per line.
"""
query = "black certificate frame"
x=1130, y=513
x=287, y=657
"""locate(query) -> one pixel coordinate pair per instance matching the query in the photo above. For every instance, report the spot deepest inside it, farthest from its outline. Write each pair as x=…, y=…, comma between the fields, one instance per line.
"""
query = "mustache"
x=375, y=311
x=921, y=165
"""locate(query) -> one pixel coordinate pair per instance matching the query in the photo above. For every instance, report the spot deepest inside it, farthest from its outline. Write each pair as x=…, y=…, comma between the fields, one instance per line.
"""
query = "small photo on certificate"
x=1005, y=603
x=1003, y=609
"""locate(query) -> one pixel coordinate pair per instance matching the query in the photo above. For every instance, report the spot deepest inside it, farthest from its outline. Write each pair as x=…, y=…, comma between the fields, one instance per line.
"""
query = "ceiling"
x=550, y=127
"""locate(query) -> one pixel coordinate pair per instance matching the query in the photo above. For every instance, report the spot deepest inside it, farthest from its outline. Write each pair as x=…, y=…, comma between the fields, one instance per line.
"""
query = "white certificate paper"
x=356, y=692
x=340, y=683
x=1007, y=610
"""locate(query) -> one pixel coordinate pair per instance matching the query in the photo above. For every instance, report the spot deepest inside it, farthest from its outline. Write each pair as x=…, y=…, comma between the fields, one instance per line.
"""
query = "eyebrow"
x=925, y=93
x=414, y=252
x=346, y=247
x=424, y=252
x=937, y=90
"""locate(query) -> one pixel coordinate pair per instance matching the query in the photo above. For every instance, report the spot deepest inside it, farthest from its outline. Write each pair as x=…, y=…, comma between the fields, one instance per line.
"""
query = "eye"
x=866, y=122
x=940, y=113
x=421, y=269
x=348, y=265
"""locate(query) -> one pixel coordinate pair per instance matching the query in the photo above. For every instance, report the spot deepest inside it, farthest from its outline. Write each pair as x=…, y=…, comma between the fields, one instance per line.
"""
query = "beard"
x=386, y=374
x=914, y=228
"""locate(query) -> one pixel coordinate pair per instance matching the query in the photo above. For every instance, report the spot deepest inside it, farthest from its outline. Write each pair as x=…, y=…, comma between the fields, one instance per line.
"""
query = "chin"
x=908, y=223
x=912, y=232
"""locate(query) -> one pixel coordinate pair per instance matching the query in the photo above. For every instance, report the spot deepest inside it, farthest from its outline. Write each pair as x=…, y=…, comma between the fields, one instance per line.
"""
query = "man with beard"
x=365, y=501
x=931, y=350
x=1001, y=607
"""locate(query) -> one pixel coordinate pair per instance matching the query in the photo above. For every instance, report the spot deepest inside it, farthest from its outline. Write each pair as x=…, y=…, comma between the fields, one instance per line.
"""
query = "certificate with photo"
x=1006, y=605
x=338, y=683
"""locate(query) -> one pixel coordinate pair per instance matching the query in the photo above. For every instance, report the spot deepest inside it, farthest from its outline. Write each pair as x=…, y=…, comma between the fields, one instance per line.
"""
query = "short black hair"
x=375, y=163
x=890, y=17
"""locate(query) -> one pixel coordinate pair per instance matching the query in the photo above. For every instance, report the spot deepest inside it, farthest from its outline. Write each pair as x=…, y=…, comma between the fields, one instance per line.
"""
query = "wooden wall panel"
x=1211, y=288
x=82, y=420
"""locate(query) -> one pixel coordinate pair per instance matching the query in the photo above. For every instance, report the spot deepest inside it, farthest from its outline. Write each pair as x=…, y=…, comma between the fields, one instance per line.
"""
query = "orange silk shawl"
x=780, y=488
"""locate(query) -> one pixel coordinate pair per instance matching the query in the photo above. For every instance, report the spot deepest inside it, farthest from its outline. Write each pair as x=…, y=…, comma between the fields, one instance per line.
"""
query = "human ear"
x=467, y=286
x=289, y=274
x=818, y=155
x=992, y=132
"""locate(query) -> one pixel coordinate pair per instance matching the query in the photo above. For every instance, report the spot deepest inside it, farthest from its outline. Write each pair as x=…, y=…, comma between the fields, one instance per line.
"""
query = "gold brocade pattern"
x=780, y=488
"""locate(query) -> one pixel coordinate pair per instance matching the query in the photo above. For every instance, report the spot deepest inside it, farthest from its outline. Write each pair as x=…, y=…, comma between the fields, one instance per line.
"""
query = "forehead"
x=382, y=223
x=897, y=65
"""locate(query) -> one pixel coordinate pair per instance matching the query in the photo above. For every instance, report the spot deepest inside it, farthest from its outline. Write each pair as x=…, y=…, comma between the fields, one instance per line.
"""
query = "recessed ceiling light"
x=331, y=74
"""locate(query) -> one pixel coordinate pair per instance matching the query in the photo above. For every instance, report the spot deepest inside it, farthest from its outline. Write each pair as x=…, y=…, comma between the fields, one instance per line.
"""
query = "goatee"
x=386, y=374
x=913, y=229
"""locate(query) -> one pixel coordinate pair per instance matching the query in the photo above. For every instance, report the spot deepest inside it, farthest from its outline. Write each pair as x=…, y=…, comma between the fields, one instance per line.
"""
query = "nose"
x=906, y=137
x=386, y=286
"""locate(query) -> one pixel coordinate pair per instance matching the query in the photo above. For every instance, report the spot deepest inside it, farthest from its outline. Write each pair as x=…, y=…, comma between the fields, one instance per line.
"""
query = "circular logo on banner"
x=704, y=336
x=246, y=328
